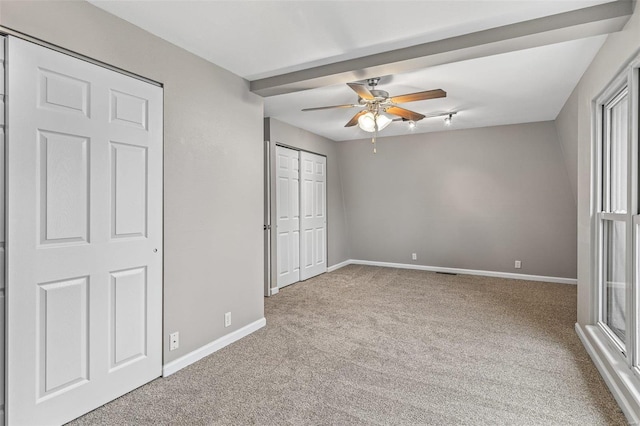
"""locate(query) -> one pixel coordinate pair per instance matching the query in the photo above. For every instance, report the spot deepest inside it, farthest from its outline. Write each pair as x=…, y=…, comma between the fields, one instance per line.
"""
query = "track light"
x=447, y=120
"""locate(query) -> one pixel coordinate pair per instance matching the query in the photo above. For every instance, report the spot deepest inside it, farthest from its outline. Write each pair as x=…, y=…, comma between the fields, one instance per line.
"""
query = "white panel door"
x=313, y=220
x=288, y=215
x=84, y=240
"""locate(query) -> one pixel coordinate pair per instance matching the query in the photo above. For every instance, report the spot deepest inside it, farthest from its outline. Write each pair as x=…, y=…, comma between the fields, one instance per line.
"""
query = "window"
x=617, y=226
x=614, y=216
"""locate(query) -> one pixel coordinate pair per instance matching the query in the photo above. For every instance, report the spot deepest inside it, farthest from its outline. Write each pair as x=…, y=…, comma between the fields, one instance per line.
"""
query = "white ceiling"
x=258, y=39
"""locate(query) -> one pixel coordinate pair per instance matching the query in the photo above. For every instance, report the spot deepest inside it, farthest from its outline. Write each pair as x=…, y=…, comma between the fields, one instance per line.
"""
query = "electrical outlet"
x=174, y=341
x=518, y=264
x=227, y=319
x=414, y=256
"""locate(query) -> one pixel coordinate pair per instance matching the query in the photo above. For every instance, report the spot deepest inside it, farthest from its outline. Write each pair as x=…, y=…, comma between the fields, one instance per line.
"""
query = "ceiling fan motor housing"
x=378, y=96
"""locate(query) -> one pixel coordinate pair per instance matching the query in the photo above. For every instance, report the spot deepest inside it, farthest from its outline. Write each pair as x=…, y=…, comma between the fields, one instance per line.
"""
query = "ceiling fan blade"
x=354, y=119
x=419, y=96
x=361, y=90
x=404, y=113
x=329, y=107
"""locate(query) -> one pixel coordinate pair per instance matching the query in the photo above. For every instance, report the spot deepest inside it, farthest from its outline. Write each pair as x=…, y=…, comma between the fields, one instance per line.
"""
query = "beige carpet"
x=368, y=345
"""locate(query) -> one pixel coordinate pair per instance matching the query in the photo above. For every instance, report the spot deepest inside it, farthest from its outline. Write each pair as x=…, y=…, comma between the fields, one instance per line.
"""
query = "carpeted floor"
x=368, y=345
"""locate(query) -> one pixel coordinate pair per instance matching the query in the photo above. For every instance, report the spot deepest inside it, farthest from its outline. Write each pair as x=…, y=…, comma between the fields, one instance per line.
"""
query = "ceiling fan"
x=375, y=102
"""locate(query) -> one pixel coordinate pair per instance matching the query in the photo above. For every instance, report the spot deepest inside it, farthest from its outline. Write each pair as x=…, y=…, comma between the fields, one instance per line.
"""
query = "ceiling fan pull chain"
x=375, y=133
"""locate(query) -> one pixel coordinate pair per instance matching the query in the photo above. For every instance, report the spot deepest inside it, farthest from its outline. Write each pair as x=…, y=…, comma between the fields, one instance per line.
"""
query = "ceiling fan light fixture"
x=367, y=122
x=383, y=121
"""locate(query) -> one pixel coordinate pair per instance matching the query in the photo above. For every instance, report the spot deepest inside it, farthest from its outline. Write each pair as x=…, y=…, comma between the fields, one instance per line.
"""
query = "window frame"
x=627, y=80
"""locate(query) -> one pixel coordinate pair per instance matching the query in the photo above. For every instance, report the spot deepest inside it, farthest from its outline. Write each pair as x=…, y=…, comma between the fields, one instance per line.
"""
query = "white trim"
x=510, y=275
x=188, y=359
x=605, y=359
x=339, y=265
x=274, y=291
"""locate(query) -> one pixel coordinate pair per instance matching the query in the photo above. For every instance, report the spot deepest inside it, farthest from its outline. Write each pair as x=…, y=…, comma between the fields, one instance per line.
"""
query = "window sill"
x=622, y=382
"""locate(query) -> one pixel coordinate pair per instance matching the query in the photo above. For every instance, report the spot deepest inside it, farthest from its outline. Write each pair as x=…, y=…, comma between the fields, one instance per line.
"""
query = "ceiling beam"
x=591, y=21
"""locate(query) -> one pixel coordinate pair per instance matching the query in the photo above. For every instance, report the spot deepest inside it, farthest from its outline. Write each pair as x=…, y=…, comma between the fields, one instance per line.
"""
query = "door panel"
x=128, y=304
x=62, y=345
x=307, y=246
x=129, y=183
x=62, y=188
x=288, y=215
x=321, y=238
x=314, y=215
x=60, y=92
x=84, y=214
x=284, y=257
x=129, y=110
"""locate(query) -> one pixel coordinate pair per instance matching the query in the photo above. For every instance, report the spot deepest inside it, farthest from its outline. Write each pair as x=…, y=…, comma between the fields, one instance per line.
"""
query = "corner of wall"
x=566, y=124
x=340, y=166
x=267, y=128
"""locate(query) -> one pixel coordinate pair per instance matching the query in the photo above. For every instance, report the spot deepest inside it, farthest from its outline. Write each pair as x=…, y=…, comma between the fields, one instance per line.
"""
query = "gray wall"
x=277, y=132
x=616, y=51
x=472, y=199
x=213, y=167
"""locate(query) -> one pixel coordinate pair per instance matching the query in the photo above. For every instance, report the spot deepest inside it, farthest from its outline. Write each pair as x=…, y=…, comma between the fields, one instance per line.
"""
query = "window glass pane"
x=617, y=118
x=614, y=291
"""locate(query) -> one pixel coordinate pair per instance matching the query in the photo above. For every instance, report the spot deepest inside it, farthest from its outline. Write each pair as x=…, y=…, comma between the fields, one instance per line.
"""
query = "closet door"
x=84, y=235
x=313, y=234
x=288, y=215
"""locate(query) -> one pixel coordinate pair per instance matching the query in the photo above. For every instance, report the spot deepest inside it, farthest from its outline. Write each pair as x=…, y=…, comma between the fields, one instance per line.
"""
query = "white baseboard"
x=339, y=265
x=496, y=274
x=599, y=358
x=274, y=291
x=188, y=359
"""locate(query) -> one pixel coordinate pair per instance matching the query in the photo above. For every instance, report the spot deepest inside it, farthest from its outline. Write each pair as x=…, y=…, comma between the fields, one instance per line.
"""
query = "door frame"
x=271, y=265
x=4, y=31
